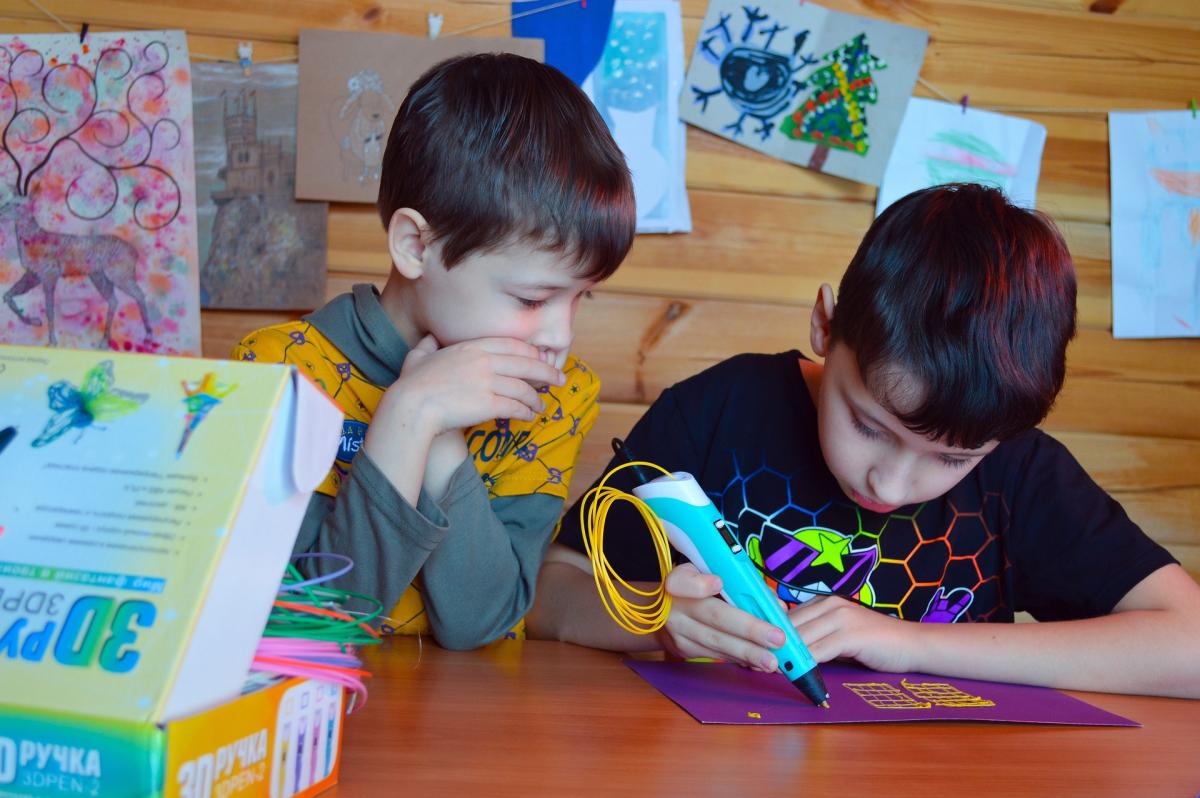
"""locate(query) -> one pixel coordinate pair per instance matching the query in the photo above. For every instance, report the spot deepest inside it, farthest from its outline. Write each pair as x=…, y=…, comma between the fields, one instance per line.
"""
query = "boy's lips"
x=867, y=504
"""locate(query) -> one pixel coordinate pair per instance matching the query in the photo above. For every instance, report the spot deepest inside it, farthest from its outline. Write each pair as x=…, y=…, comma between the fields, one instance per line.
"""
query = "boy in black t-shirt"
x=903, y=480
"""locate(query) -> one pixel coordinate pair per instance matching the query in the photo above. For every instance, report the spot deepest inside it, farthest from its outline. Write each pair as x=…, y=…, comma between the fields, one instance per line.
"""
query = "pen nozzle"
x=622, y=451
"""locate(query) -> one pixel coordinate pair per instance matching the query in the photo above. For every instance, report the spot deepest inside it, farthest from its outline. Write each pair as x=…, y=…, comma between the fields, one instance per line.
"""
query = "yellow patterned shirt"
x=513, y=457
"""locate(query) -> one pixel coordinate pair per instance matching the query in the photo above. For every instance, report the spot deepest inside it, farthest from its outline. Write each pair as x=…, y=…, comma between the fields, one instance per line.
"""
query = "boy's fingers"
x=685, y=581
x=503, y=407
x=815, y=629
x=697, y=640
x=520, y=391
x=813, y=608
x=823, y=648
x=527, y=369
x=731, y=620
x=697, y=592
x=507, y=346
x=426, y=346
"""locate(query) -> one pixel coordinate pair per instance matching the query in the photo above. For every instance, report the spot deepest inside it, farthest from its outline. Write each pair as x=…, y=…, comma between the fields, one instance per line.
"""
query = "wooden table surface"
x=539, y=718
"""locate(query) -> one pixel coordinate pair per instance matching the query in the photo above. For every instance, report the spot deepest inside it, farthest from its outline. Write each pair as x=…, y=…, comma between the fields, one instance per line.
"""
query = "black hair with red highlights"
x=495, y=148
x=959, y=306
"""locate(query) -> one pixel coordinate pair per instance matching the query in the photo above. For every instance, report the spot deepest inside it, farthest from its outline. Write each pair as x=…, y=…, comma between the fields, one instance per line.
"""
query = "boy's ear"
x=822, y=317
x=408, y=238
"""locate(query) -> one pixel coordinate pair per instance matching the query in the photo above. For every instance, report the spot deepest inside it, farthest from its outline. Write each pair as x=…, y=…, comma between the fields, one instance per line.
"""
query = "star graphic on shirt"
x=830, y=546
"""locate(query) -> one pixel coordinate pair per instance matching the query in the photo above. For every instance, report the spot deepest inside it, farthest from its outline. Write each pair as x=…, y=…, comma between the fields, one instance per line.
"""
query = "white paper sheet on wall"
x=636, y=87
x=941, y=143
x=1155, y=178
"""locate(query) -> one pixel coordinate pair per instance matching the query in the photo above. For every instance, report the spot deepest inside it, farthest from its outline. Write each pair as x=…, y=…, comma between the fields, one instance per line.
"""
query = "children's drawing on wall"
x=1155, y=176
x=635, y=86
x=364, y=117
x=351, y=85
x=755, y=80
x=814, y=87
x=942, y=143
x=259, y=247
x=834, y=117
x=575, y=33
x=97, y=200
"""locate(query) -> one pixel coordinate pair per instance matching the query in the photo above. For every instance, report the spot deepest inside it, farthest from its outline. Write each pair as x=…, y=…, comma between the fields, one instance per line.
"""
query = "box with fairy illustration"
x=148, y=509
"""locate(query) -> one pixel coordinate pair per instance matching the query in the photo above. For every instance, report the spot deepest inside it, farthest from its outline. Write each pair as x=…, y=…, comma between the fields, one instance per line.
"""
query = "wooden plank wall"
x=767, y=234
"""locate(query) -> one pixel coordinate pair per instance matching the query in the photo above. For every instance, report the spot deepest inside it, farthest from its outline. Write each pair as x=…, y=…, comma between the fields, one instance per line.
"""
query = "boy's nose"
x=888, y=481
x=556, y=331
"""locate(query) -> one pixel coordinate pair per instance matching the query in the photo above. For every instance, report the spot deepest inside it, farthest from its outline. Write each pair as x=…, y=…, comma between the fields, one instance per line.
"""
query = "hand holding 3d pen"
x=676, y=508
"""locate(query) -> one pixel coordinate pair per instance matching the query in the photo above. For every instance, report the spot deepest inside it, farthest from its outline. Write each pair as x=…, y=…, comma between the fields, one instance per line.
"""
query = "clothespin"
x=1192, y=105
x=435, y=24
x=245, y=57
x=83, y=32
x=964, y=102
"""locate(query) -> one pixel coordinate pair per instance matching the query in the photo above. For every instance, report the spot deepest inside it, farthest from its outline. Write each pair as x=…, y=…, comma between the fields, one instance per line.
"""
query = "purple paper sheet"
x=723, y=693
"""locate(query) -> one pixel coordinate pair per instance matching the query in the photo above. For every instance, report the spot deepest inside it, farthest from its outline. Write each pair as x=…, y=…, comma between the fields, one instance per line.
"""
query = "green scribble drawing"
x=960, y=157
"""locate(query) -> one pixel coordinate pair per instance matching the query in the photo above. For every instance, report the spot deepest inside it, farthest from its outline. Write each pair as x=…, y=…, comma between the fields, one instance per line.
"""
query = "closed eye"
x=532, y=304
x=864, y=430
x=953, y=462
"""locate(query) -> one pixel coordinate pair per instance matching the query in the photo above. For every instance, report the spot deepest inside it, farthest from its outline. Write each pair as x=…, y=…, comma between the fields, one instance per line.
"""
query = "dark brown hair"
x=971, y=298
x=496, y=148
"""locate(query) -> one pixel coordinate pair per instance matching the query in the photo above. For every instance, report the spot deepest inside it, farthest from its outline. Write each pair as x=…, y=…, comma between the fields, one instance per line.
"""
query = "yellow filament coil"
x=639, y=619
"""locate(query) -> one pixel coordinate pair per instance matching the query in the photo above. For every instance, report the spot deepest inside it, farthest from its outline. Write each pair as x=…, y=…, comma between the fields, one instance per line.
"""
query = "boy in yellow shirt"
x=505, y=200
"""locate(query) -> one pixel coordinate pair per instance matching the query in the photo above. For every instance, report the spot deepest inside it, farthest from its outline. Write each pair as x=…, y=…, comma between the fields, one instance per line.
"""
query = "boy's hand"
x=833, y=627
x=465, y=384
x=702, y=625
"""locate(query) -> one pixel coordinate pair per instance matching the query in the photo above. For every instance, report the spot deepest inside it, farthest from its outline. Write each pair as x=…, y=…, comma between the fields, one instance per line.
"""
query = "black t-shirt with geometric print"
x=1026, y=530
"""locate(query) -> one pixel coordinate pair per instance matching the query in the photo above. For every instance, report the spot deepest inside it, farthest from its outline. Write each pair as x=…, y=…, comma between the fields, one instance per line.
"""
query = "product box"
x=148, y=508
x=282, y=739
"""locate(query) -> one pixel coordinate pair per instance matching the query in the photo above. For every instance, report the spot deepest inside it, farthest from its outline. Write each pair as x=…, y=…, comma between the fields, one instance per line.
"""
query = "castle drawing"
x=253, y=166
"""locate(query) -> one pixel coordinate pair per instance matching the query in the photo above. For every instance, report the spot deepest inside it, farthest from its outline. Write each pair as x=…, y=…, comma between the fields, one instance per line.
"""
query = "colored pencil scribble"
x=200, y=398
x=958, y=157
x=1183, y=184
x=79, y=408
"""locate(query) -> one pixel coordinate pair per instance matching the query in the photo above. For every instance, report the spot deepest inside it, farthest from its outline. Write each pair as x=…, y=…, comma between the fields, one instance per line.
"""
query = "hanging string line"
x=493, y=23
x=285, y=59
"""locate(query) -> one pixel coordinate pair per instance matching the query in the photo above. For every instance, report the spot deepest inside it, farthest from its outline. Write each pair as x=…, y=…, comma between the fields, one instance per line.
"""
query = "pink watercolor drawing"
x=97, y=197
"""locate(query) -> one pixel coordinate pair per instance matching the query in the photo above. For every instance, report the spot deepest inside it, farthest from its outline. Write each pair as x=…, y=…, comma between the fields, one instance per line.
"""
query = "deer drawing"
x=108, y=261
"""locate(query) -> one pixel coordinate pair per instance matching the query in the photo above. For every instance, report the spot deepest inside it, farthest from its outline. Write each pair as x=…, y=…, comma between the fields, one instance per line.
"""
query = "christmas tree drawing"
x=833, y=116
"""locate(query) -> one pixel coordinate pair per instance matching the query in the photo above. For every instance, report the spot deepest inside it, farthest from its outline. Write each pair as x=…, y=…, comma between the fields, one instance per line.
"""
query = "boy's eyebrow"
x=538, y=286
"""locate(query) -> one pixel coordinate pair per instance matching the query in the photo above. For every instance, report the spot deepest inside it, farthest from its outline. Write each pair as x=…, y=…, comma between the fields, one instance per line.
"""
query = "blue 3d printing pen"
x=698, y=532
